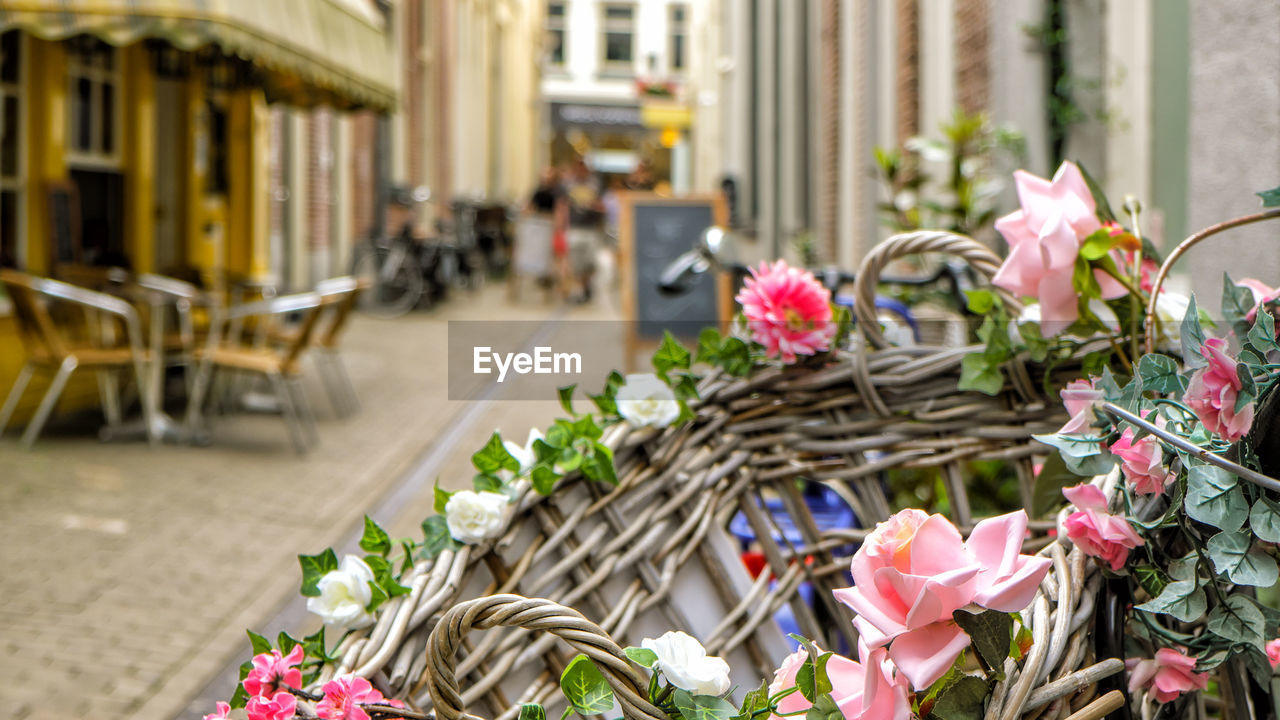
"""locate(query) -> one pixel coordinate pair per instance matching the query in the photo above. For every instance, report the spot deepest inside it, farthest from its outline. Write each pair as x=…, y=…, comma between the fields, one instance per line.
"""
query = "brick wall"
x=908, y=69
x=363, y=128
x=972, y=72
x=319, y=178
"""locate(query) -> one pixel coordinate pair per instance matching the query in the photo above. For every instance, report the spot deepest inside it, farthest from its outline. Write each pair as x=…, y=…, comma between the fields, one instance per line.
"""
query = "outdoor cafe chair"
x=53, y=346
x=226, y=349
x=338, y=296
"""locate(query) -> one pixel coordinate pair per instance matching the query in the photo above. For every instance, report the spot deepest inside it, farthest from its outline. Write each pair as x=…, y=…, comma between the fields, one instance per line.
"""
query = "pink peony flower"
x=221, y=714
x=271, y=672
x=1044, y=239
x=1078, y=397
x=788, y=311
x=1097, y=532
x=1167, y=676
x=280, y=706
x=1262, y=295
x=1273, y=653
x=1143, y=463
x=344, y=695
x=1212, y=393
x=870, y=690
x=914, y=570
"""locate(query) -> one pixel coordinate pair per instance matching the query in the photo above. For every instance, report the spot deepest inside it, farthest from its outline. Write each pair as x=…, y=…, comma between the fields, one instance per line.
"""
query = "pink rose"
x=1079, y=397
x=280, y=706
x=271, y=672
x=1212, y=393
x=1008, y=579
x=1097, y=532
x=221, y=714
x=788, y=311
x=870, y=690
x=1273, y=653
x=344, y=695
x=1262, y=295
x=1044, y=239
x=1167, y=676
x=1143, y=463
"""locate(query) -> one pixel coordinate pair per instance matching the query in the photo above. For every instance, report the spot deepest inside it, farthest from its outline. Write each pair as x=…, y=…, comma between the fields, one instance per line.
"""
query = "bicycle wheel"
x=393, y=278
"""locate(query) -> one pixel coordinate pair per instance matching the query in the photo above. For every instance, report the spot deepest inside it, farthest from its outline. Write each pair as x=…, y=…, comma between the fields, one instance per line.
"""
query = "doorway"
x=170, y=149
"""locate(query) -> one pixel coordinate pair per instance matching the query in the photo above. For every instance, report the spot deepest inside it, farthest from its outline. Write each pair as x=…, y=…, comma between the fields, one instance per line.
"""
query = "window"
x=619, y=34
x=677, y=58
x=556, y=33
x=93, y=122
x=11, y=146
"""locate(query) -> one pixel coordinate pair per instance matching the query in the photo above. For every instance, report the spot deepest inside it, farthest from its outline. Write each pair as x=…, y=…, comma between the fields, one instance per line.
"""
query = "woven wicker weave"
x=652, y=551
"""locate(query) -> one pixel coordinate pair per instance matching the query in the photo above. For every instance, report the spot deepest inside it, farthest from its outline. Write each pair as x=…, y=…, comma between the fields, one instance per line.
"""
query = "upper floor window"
x=556, y=33
x=619, y=36
x=678, y=50
x=93, y=107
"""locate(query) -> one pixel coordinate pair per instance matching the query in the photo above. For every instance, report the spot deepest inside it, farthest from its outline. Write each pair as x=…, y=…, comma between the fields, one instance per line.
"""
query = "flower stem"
x=1137, y=276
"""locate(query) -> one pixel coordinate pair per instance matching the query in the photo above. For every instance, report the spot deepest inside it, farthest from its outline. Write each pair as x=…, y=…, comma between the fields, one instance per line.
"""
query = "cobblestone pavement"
x=130, y=573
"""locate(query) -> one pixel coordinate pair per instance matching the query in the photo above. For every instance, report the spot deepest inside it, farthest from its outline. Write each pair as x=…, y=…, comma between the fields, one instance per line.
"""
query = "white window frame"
x=561, y=25
x=617, y=67
x=674, y=29
x=95, y=157
x=18, y=183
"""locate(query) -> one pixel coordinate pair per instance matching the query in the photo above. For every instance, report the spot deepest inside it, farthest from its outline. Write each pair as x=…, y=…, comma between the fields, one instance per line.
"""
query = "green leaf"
x=1270, y=198
x=1084, y=455
x=241, y=696
x=532, y=711
x=1097, y=245
x=259, y=643
x=436, y=537
x=644, y=657
x=735, y=357
x=702, y=707
x=990, y=631
x=670, y=354
x=494, y=457
x=1263, y=333
x=1237, y=301
x=315, y=567
x=812, y=677
x=1238, y=620
x=1049, y=483
x=1085, y=281
x=1264, y=520
x=375, y=539
x=377, y=596
x=441, y=497
x=1192, y=337
x=1099, y=197
x=566, y=398
x=824, y=709
x=287, y=643
x=978, y=373
x=980, y=301
x=585, y=427
x=1160, y=373
x=753, y=701
x=1214, y=497
x=384, y=576
x=709, y=342
x=313, y=645
x=486, y=483
x=1248, y=390
x=606, y=404
x=603, y=460
x=1183, y=599
x=585, y=688
x=1232, y=553
x=544, y=479
x=962, y=700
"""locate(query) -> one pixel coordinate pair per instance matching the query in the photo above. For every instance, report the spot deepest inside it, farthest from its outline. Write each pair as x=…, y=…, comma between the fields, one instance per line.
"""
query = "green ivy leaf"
x=544, y=479
x=1233, y=554
x=436, y=537
x=314, y=646
x=980, y=374
x=585, y=687
x=824, y=709
x=962, y=700
x=980, y=301
x=1099, y=197
x=566, y=398
x=377, y=596
x=384, y=576
x=644, y=657
x=532, y=711
x=990, y=631
x=1238, y=621
x=709, y=342
x=1192, y=337
x=1270, y=198
x=241, y=696
x=315, y=567
x=1214, y=497
x=702, y=707
x=1183, y=599
x=670, y=354
x=812, y=677
x=1264, y=520
x=1097, y=245
x=1160, y=373
x=1262, y=336
x=287, y=643
x=756, y=700
x=1248, y=390
x=1084, y=455
x=1085, y=281
x=1048, y=485
x=606, y=404
x=494, y=457
x=259, y=643
x=441, y=498
x=375, y=539
x=486, y=483
x=1237, y=301
x=735, y=357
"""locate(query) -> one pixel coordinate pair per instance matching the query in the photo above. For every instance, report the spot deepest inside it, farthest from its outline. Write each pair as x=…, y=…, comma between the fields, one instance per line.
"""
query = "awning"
x=338, y=47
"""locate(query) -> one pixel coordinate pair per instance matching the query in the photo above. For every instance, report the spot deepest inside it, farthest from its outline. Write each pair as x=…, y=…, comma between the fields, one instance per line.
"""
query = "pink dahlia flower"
x=869, y=690
x=788, y=311
x=280, y=706
x=271, y=672
x=1167, y=676
x=1212, y=393
x=1143, y=463
x=1097, y=532
x=344, y=695
x=1044, y=239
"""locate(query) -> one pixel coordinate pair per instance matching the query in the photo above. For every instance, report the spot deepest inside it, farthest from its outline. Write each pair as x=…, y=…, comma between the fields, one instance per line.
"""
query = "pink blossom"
x=1167, y=676
x=1097, y=532
x=1273, y=653
x=1213, y=390
x=271, y=672
x=1078, y=397
x=221, y=714
x=280, y=706
x=870, y=690
x=1044, y=239
x=344, y=695
x=788, y=311
x=914, y=570
x=1262, y=294
x=1143, y=463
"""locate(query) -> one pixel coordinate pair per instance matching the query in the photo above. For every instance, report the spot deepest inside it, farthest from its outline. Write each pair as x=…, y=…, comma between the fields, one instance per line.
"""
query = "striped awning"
x=325, y=50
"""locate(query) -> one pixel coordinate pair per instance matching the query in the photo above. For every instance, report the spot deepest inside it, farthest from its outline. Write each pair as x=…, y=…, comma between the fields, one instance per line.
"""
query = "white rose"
x=524, y=455
x=1105, y=314
x=1171, y=308
x=475, y=516
x=685, y=664
x=645, y=400
x=344, y=594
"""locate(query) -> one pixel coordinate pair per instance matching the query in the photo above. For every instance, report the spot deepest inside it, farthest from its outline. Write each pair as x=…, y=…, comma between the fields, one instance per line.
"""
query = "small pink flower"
x=1143, y=463
x=1044, y=239
x=788, y=311
x=1078, y=397
x=870, y=690
x=271, y=672
x=1273, y=653
x=344, y=695
x=1167, y=676
x=1097, y=532
x=280, y=706
x=1262, y=294
x=1212, y=393
x=221, y=714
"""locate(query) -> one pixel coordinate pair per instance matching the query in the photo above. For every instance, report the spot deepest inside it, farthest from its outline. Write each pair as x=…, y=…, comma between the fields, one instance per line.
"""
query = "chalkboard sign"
x=654, y=231
x=64, y=222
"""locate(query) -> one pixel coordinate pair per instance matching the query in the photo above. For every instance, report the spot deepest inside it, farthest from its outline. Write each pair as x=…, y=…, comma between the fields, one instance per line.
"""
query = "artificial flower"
x=524, y=454
x=474, y=517
x=344, y=695
x=684, y=662
x=1079, y=397
x=273, y=672
x=644, y=400
x=1262, y=294
x=1044, y=239
x=1008, y=579
x=869, y=690
x=1097, y=532
x=223, y=711
x=1171, y=308
x=1167, y=676
x=1213, y=391
x=788, y=311
x=280, y=706
x=344, y=595
x=1273, y=653
x=1142, y=461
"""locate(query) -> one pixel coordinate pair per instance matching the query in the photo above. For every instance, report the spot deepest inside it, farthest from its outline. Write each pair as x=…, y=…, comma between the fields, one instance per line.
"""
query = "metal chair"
x=226, y=349
x=338, y=296
x=50, y=348
x=180, y=346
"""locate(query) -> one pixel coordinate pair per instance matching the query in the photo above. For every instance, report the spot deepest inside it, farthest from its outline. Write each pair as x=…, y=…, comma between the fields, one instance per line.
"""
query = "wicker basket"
x=610, y=566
